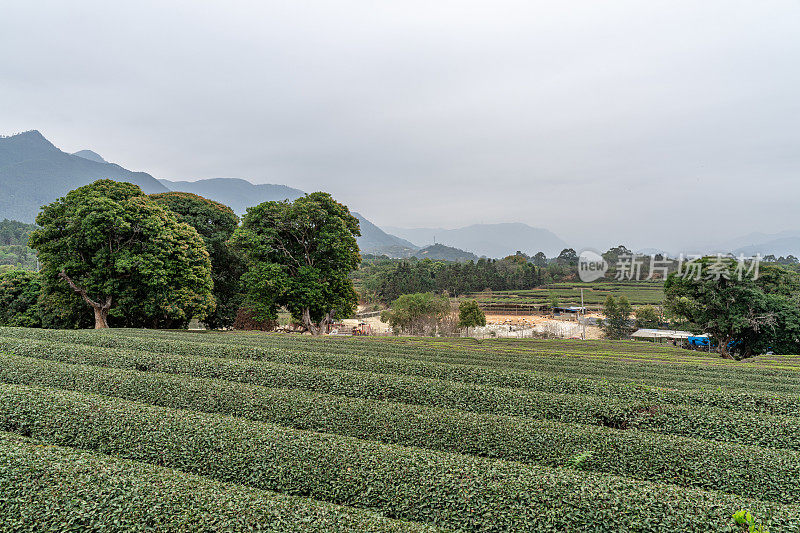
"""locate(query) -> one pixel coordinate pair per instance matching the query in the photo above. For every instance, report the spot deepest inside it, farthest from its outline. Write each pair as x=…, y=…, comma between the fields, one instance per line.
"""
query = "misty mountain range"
x=34, y=172
x=490, y=240
x=778, y=244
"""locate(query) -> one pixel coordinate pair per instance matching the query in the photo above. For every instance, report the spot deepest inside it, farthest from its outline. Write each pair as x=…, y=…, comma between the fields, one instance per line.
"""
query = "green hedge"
x=564, y=358
x=772, y=474
x=759, y=387
x=444, y=489
x=548, y=356
x=609, y=354
x=689, y=421
x=48, y=488
x=550, y=382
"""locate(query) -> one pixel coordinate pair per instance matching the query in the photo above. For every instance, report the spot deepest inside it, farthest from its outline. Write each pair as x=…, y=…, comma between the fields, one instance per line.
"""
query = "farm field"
x=569, y=294
x=167, y=430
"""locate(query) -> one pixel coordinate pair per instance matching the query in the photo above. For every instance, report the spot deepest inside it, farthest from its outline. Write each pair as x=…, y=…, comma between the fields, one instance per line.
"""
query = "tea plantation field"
x=126, y=430
x=569, y=293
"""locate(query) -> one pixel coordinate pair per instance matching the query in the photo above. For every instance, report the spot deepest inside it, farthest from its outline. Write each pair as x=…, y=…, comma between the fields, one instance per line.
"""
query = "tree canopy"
x=743, y=316
x=125, y=255
x=419, y=313
x=647, y=317
x=215, y=223
x=13, y=232
x=616, y=316
x=19, y=294
x=470, y=314
x=299, y=255
x=567, y=257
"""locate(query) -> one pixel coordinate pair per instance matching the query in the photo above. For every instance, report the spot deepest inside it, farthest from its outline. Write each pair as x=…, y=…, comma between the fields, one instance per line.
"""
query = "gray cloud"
x=649, y=123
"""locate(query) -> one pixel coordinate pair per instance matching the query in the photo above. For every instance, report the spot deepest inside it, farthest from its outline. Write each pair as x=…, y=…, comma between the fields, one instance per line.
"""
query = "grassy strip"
x=772, y=474
x=699, y=422
x=448, y=490
x=48, y=488
x=550, y=382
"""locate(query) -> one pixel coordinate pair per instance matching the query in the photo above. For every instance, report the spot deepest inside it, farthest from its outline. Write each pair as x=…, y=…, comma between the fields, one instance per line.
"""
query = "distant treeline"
x=382, y=280
x=13, y=232
x=14, y=251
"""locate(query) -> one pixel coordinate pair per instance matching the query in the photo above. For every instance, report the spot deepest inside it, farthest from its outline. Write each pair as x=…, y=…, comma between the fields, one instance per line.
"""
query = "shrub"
x=647, y=317
x=419, y=313
x=470, y=314
x=48, y=488
x=549, y=379
x=605, y=360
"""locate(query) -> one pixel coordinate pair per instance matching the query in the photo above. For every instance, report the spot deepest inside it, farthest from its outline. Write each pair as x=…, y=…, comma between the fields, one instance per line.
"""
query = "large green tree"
x=299, y=255
x=125, y=256
x=215, y=222
x=746, y=315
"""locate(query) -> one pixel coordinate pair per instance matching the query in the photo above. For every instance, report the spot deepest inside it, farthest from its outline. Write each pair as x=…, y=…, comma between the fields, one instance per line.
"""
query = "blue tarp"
x=699, y=341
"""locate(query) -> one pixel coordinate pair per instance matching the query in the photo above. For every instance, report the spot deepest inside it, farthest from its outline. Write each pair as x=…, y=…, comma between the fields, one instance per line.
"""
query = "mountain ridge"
x=782, y=246
x=90, y=155
x=441, y=252
x=375, y=241
x=236, y=193
x=34, y=172
x=490, y=240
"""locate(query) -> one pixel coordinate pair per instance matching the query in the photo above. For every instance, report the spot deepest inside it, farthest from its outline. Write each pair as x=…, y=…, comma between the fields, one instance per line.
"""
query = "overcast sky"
x=644, y=122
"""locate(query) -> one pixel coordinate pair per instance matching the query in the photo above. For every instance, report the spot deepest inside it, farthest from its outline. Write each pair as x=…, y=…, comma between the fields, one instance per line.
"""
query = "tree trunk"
x=313, y=328
x=723, y=348
x=327, y=319
x=100, y=317
x=100, y=310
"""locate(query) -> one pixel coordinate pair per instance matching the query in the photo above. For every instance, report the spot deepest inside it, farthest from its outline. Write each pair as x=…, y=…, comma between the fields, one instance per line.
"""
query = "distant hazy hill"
x=751, y=243
x=236, y=193
x=33, y=173
x=374, y=240
x=240, y=194
x=440, y=252
x=90, y=155
x=491, y=240
x=781, y=246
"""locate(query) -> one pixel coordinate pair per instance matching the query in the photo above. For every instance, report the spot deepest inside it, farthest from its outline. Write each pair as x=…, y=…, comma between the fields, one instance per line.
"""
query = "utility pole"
x=583, y=312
